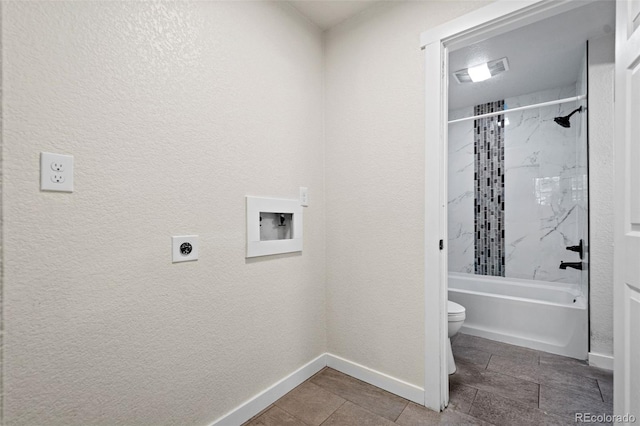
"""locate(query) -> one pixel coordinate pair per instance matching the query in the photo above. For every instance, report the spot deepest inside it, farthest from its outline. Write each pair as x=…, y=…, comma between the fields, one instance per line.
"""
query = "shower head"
x=564, y=121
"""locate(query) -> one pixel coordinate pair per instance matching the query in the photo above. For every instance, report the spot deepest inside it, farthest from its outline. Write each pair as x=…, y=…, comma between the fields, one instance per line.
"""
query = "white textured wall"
x=601, y=118
x=375, y=148
x=174, y=112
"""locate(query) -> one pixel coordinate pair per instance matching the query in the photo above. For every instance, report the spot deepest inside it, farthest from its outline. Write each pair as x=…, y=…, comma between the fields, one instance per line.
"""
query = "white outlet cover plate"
x=56, y=172
x=184, y=248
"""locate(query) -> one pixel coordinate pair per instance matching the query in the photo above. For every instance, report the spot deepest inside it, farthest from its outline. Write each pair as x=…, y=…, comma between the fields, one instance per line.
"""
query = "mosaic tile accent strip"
x=489, y=190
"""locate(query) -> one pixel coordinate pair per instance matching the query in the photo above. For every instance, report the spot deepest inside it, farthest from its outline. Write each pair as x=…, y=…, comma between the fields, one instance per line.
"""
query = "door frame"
x=626, y=274
x=494, y=19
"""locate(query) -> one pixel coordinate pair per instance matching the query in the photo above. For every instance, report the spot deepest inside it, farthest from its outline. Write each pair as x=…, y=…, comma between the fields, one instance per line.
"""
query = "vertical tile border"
x=489, y=190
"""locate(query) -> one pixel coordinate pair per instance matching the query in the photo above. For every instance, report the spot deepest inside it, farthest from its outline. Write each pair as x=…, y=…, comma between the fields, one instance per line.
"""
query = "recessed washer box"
x=274, y=226
x=184, y=248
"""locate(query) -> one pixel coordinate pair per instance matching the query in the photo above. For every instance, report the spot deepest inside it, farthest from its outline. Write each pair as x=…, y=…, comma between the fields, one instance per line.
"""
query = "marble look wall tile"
x=545, y=189
x=541, y=200
x=461, y=194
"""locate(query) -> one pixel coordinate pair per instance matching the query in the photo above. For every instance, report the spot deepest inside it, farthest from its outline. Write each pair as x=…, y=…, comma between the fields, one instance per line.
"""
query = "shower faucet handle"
x=578, y=249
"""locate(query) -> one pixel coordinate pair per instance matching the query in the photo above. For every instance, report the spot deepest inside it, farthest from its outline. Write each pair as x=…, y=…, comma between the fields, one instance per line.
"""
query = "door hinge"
x=441, y=244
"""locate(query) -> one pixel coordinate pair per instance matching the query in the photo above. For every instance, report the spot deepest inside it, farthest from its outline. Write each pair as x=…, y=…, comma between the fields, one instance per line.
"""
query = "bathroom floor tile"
x=510, y=387
x=574, y=366
x=461, y=397
x=350, y=414
x=374, y=399
x=570, y=383
x=503, y=411
x=471, y=355
x=565, y=403
x=310, y=403
x=514, y=367
x=544, y=374
x=416, y=415
x=497, y=348
x=275, y=416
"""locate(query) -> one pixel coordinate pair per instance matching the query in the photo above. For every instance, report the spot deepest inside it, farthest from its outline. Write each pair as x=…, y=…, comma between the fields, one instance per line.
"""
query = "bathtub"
x=550, y=317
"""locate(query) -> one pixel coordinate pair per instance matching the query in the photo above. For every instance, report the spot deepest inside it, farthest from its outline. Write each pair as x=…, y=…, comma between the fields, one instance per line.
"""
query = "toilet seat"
x=455, y=311
x=454, y=308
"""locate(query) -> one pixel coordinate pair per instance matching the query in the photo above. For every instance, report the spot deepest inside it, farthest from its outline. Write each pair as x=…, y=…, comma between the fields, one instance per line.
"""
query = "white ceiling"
x=327, y=13
x=543, y=55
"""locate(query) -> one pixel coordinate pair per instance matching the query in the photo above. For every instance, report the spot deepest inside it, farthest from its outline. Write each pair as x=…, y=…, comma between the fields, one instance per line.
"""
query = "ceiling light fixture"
x=479, y=73
x=495, y=67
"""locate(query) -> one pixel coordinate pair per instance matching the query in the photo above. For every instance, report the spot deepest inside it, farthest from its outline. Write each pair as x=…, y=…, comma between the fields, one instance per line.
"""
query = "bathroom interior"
x=179, y=114
x=519, y=219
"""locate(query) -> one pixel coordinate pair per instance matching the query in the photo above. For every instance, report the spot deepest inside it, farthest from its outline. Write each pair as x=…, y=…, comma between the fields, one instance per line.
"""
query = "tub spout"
x=574, y=265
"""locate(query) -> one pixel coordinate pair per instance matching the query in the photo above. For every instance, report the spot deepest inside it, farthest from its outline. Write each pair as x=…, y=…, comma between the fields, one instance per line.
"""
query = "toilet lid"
x=453, y=308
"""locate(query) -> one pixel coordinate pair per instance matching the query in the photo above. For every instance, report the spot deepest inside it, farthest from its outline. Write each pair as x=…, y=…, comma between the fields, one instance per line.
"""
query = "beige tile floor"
x=495, y=384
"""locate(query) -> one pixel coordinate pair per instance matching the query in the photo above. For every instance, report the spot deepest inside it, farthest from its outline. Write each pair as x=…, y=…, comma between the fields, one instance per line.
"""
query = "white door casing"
x=627, y=211
x=494, y=19
x=436, y=378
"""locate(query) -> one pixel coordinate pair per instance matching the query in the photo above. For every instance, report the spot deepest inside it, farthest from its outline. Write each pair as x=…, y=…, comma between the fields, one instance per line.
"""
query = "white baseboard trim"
x=253, y=406
x=601, y=361
x=376, y=378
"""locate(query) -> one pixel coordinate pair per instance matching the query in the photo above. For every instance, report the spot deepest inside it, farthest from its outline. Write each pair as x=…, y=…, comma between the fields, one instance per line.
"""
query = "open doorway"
x=561, y=195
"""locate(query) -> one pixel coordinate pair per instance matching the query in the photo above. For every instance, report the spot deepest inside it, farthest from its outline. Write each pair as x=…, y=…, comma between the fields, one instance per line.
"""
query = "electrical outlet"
x=184, y=248
x=57, y=166
x=57, y=178
x=56, y=172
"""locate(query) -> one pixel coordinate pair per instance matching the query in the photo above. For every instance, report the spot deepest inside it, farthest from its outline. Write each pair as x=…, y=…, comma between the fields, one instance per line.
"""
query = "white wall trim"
x=497, y=18
x=259, y=402
x=436, y=378
x=601, y=361
x=253, y=406
x=376, y=378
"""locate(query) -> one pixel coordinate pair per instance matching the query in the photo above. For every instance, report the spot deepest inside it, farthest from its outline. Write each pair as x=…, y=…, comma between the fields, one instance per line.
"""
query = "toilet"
x=456, y=319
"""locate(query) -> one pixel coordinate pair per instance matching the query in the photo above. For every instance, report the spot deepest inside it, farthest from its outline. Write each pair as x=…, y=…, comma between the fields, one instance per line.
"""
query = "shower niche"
x=273, y=226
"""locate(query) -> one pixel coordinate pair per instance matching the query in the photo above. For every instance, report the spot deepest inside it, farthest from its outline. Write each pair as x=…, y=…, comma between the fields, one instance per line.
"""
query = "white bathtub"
x=550, y=317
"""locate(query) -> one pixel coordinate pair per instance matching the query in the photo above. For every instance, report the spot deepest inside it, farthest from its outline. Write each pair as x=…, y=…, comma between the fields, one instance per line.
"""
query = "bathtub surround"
x=488, y=142
x=461, y=203
x=543, y=190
